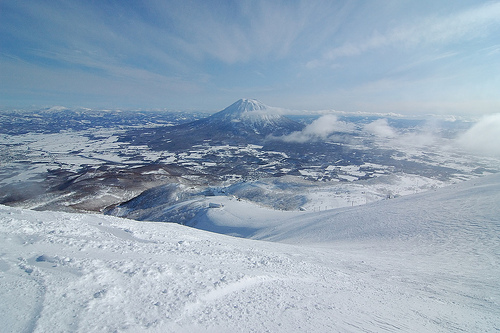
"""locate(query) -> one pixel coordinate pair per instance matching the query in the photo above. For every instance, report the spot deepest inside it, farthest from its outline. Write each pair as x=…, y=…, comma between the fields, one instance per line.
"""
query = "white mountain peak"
x=246, y=105
x=249, y=111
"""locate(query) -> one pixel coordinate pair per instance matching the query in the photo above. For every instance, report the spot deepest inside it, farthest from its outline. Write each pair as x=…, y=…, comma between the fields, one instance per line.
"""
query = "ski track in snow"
x=422, y=263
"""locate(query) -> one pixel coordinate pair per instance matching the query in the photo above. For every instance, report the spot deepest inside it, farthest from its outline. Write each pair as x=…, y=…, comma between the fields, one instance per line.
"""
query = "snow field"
x=119, y=275
x=384, y=266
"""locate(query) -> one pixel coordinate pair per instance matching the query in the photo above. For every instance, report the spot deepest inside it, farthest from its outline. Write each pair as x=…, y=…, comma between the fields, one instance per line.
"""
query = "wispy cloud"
x=465, y=25
x=319, y=130
x=167, y=38
x=366, y=54
x=483, y=137
x=381, y=128
x=426, y=134
x=246, y=30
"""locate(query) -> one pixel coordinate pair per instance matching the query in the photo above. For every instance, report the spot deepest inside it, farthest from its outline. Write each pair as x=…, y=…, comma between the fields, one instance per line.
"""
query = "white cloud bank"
x=381, y=128
x=319, y=129
x=419, y=137
x=484, y=136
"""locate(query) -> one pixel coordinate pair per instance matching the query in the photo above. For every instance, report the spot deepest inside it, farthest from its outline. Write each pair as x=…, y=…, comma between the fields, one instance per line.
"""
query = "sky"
x=403, y=56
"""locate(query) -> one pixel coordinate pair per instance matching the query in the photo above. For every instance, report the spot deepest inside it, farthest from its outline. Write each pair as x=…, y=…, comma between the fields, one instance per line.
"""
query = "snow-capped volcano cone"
x=245, y=121
x=253, y=116
x=246, y=105
x=245, y=108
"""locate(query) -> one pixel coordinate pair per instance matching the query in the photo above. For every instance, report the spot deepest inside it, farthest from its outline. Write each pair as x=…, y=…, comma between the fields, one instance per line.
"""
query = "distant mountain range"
x=245, y=121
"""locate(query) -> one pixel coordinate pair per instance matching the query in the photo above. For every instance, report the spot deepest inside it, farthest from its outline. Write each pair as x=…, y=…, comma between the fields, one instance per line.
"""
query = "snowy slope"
x=421, y=263
x=462, y=211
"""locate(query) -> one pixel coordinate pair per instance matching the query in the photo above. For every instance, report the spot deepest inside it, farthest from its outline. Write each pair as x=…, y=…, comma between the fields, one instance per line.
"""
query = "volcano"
x=249, y=116
x=245, y=121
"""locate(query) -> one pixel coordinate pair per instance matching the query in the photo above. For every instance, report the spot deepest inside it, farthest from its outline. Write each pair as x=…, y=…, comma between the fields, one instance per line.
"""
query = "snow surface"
x=428, y=262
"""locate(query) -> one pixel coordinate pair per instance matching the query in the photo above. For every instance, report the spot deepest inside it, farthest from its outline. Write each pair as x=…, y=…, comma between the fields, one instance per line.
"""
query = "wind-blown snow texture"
x=421, y=263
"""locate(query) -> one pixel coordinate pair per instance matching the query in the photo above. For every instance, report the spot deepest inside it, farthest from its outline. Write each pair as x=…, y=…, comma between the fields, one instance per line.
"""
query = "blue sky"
x=403, y=56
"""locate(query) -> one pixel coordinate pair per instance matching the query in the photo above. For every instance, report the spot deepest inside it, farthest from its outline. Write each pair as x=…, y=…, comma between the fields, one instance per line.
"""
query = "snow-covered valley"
x=428, y=262
x=93, y=161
